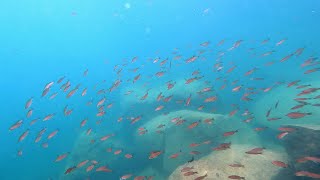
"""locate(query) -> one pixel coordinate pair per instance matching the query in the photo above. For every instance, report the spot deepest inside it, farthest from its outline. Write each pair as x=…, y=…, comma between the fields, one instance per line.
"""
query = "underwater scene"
x=160, y=90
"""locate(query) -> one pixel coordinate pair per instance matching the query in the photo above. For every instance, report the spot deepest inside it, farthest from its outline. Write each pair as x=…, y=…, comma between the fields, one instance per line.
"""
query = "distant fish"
x=230, y=133
x=286, y=129
x=255, y=151
x=309, y=158
x=29, y=103
x=48, y=85
x=24, y=135
x=190, y=173
x=175, y=155
x=211, y=99
x=89, y=168
x=281, y=42
x=103, y=169
x=117, y=152
x=206, y=11
x=280, y=164
x=297, y=115
x=205, y=43
x=223, y=146
x=126, y=176
x=155, y=154
x=159, y=108
x=61, y=157
x=236, y=177
x=236, y=165
x=268, y=112
x=194, y=124
x=286, y=58
x=54, y=133
x=308, y=174
x=48, y=117
x=201, y=177
x=16, y=125
x=82, y=163
x=85, y=73
x=128, y=156
x=69, y=170
x=188, y=100
x=61, y=79
x=186, y=169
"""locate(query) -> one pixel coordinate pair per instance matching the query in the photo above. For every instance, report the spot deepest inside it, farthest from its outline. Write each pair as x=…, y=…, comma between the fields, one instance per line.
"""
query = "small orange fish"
x=223, y=146
x=194, y=124
x=194, y=145
x=28, y=103
x=128, y=156
x=159, y=108
x=82, y=163
x=154, y=154
x=297, y=115
x=230, y=133
x=255, y=151
x=231, y=69
x=308, y=158
x=89, y=168
x=236, y=89
x=232, y=113
x=106, y=137
x=188, y=100
x=23, y=135
x=51, y=135
x=29, y=113
x=208, y=121
x=280, y=164
x=69, y=170
x=173, y=156
x=236, y=177
x=260, y=128
x=139, y=178
x=83, y=122
x=16, y=125
x=117, y=152
x=307, y=174
x=190, y=173
x=127, y=176
x=103, y=169
x=211, y=99
x=48, y=117
x=282, y=135
x=61, y=157
x=201, y=177
x=236, y=165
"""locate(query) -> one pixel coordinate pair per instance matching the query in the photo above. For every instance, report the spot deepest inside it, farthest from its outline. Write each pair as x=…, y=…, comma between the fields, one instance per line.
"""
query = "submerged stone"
x=217, y=165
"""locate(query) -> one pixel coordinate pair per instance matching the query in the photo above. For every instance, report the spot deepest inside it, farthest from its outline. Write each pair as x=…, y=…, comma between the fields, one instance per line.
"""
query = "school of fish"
x=208, y=96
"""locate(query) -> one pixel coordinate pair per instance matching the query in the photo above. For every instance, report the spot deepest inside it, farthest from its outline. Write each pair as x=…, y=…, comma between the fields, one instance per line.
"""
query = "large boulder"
x=159, y=137
x=91, y=148
x=172, y=138
x=217, y=164
x=301, y=143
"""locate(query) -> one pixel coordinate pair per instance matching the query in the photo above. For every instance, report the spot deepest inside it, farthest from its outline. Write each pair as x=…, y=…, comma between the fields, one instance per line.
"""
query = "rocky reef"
x=232, y=162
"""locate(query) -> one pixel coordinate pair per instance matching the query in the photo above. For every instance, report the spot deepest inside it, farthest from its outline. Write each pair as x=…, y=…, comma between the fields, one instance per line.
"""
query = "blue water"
x=41, y=41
